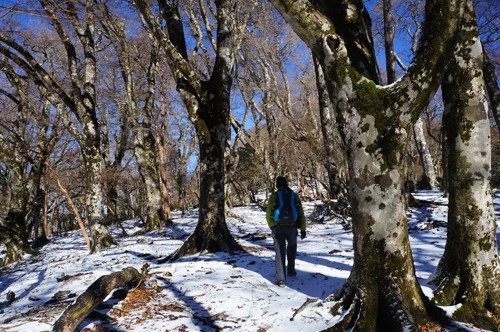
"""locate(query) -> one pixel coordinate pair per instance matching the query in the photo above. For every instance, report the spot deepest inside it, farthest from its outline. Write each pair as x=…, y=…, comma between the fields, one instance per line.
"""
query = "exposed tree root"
x=95, y=295
x=155, y=220
x=101, y=238
x=206, y=240
x=367, y=309
x=479, y=306
x=477, y=315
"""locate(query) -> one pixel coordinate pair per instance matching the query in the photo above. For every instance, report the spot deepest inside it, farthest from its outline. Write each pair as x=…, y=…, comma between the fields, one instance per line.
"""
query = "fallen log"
x=95, y=295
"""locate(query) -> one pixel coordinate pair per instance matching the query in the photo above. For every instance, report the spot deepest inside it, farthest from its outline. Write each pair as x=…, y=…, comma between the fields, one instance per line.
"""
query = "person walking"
x=285, y=216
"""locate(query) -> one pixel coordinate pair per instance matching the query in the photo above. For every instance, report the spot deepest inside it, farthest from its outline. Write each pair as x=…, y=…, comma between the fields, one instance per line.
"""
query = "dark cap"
x=281, y=182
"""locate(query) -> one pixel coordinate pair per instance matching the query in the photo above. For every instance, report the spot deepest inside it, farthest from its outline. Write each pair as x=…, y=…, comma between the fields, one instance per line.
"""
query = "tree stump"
x=95, y=295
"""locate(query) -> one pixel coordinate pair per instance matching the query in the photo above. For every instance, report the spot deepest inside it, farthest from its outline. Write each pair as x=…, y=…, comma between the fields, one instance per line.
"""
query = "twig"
x=303, y=306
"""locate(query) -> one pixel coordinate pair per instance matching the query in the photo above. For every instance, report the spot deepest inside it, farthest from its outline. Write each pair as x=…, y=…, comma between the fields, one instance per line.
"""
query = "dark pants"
x=281, y=236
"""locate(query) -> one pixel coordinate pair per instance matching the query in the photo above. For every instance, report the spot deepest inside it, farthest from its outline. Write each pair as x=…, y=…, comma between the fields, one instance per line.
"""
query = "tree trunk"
x=425, y=155
x=90, y=143
x=145, y=148
x=145, y=152
x=211, y=233
x=491, y=81
x=382, y=292
x=94, y=295
x=444, y=153
x=13, y=230
x=160, y=146
x=389, y=32
x=335, y=159
x=101, y=238
x=180, y=178
x=469, y=273
x=13, y=236
x=272, y=153
x=165, y=193
x=144, y=139
x=208, y=106
x=39, y=236
x=390, y=59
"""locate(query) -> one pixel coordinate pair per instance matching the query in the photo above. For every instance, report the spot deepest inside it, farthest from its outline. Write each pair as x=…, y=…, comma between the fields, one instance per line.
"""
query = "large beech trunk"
x=145, y=148
x=207, y=101
x=101, y=237
x=211, y=233
x=93, y=296
x=145, y=152
x=469, y=273
x=382, y=292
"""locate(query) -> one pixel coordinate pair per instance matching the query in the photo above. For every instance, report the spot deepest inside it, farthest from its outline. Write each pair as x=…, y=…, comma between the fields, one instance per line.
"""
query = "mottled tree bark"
x=145, y=148
x=469, y=271
x=81, y=100
x=101, y=238
x=382, y=292
x=145, y=153
x=90, y=143
x=162, y=159
x=425, y=155
x=14, y=189
x=390, y=59
x=335, y=159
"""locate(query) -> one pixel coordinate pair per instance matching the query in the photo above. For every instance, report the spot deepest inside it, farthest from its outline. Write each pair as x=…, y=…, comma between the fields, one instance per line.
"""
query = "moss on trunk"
x=101, y=238
x=469, y=273
x=382, y=292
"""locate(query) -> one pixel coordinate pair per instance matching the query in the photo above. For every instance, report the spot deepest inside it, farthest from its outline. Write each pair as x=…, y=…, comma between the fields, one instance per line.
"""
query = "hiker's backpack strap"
x=277, y=211
x=294, y=209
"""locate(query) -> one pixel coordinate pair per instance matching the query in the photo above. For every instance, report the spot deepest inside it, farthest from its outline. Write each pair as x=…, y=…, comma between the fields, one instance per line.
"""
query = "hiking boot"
x=281, y=283
x=292, y=273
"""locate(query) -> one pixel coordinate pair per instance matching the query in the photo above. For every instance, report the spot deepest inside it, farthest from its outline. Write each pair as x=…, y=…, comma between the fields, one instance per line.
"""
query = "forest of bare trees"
x=120, y=109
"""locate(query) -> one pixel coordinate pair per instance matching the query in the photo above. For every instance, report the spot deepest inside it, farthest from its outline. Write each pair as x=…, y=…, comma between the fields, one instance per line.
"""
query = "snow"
x=207, y=292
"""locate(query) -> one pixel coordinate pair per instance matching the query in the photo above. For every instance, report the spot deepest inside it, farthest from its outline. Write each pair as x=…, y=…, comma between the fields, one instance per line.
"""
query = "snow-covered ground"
x=206, y=292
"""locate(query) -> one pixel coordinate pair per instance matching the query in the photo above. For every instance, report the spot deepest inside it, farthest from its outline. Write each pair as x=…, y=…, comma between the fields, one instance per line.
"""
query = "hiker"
x=284, y=216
